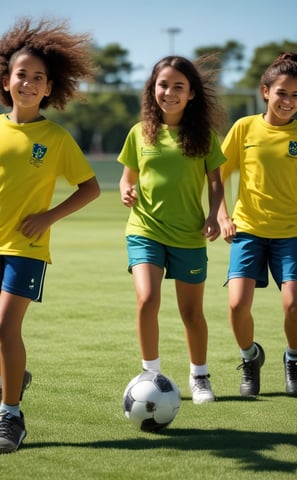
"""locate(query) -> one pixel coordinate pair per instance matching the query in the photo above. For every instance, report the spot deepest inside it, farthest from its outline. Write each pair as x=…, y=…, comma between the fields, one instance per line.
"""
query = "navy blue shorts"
x=186, y=264
x=253, y=257
x=22, y=276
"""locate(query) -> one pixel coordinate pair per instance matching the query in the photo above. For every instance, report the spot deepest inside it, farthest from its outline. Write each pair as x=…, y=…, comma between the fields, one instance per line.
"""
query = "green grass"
x=82, y=351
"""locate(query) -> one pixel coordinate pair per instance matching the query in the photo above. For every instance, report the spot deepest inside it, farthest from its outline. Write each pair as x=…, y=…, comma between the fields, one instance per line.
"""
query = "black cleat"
x=250, y=382
x=12, y=432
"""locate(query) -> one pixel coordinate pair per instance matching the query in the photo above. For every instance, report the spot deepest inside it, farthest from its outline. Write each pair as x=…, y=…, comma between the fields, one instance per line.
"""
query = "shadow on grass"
x=239, y=398
x=246, y=448
x=229, y=398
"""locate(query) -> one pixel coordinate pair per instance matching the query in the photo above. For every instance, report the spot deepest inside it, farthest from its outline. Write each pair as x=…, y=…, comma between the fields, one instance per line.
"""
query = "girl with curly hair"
x=167, y=157
x=40, y=66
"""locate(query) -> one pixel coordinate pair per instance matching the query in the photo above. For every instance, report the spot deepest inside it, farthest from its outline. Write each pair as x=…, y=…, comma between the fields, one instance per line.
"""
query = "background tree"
x=110, y=107
x=113, y=67
x=228, y=57
x=263, y=57
x=101, y=123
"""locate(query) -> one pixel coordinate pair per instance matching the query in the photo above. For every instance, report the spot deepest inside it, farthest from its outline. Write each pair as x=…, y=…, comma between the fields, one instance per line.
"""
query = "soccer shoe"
x=201, y=389
x=26, y=384
x=291, y=376
x=12, y=432
x=250, y=382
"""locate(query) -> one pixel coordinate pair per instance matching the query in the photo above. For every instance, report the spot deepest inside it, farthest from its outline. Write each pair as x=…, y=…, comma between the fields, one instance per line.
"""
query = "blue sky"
x=142, y=27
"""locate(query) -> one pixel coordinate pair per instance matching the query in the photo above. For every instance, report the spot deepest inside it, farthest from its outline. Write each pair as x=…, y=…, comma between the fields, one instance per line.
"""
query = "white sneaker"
x=201, y=389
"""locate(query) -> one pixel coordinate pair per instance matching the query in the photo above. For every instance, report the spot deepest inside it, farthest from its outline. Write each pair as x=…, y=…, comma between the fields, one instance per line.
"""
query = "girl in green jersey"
x=167, y=157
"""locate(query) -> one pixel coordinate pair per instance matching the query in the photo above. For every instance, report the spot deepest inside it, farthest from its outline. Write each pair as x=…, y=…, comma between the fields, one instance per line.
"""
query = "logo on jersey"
x=293, y=148
x=38, y=152
x=145, y=151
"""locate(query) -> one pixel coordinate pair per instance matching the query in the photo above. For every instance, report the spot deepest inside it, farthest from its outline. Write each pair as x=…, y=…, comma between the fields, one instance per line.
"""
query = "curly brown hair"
x=201, y=114
x=67, y=57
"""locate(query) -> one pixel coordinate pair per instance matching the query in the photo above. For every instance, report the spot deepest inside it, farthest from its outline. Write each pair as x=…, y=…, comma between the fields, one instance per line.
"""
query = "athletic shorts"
x=186, y=264
x=253, y=257
x=22, y=276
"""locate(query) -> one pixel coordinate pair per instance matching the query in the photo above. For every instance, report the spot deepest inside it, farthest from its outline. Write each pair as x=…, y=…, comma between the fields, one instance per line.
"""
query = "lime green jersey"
x=170, y=186
x=266, y=157
x=32, y=157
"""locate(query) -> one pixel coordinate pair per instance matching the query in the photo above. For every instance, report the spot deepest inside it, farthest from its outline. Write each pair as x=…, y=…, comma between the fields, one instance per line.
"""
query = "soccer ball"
x=151, y=401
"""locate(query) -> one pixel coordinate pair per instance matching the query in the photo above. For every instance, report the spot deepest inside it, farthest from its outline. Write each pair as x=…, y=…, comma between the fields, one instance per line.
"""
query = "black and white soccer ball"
x=151, y=401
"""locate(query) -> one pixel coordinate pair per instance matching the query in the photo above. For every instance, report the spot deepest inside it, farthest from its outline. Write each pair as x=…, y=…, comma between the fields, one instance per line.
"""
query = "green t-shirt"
x=170, y=186
x=266, y=157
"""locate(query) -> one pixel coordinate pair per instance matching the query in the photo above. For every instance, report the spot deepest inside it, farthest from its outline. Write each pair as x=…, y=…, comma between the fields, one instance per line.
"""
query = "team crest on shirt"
x=293, y=148
x=38, y=152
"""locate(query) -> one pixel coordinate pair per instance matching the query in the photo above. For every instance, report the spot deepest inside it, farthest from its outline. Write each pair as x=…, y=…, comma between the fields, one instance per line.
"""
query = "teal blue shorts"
x=253, y=257
x=22, y=276
x=186, y=264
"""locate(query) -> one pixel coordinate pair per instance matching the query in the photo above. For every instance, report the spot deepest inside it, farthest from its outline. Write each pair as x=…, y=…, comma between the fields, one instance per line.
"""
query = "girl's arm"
x=211, y=227
x=35, y=225
x=128, y=183
x=228, y=228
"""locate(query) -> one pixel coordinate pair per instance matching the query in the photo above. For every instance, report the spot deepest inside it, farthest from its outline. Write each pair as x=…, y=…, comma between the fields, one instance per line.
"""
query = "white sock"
x=198, y=370
x=152, y=365
x=249, y=354
x=12, y=409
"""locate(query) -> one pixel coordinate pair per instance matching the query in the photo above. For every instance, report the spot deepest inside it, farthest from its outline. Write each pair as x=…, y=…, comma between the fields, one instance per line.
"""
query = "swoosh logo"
x=194, y=271
x=33, y=245
x=250, y=146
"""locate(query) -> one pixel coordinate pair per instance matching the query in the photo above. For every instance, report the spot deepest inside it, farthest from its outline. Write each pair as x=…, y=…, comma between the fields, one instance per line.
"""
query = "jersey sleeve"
x=215, y=157
x=128, y=154
x=74, y=165
x=231, y=150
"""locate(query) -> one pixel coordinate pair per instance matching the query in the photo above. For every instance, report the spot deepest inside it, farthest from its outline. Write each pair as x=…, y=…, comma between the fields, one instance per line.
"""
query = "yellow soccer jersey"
x=170, y=185
x=32, y=156
x=266, y=157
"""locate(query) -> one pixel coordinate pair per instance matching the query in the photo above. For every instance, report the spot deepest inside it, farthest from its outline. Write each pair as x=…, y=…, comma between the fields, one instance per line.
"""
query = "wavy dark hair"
x=284, y=64
x=201, y=114
x=67, y=57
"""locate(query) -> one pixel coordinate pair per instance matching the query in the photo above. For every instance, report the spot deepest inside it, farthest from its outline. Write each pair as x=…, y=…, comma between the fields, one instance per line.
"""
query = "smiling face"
x=27, y=83
x=281, y=100
x=172, y=93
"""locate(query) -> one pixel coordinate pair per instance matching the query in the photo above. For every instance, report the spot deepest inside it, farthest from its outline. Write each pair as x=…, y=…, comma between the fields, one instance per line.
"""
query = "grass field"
x=82, y=351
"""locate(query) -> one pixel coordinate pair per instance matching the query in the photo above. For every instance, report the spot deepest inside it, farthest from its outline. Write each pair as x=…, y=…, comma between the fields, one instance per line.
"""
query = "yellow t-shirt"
x=32, y=156
x=266, y=157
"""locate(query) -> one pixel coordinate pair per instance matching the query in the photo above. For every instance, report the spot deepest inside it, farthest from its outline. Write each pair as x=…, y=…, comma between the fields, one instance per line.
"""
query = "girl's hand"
x=129, y=196
x=211, y=229
x=228, y=229
x=35, y=225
